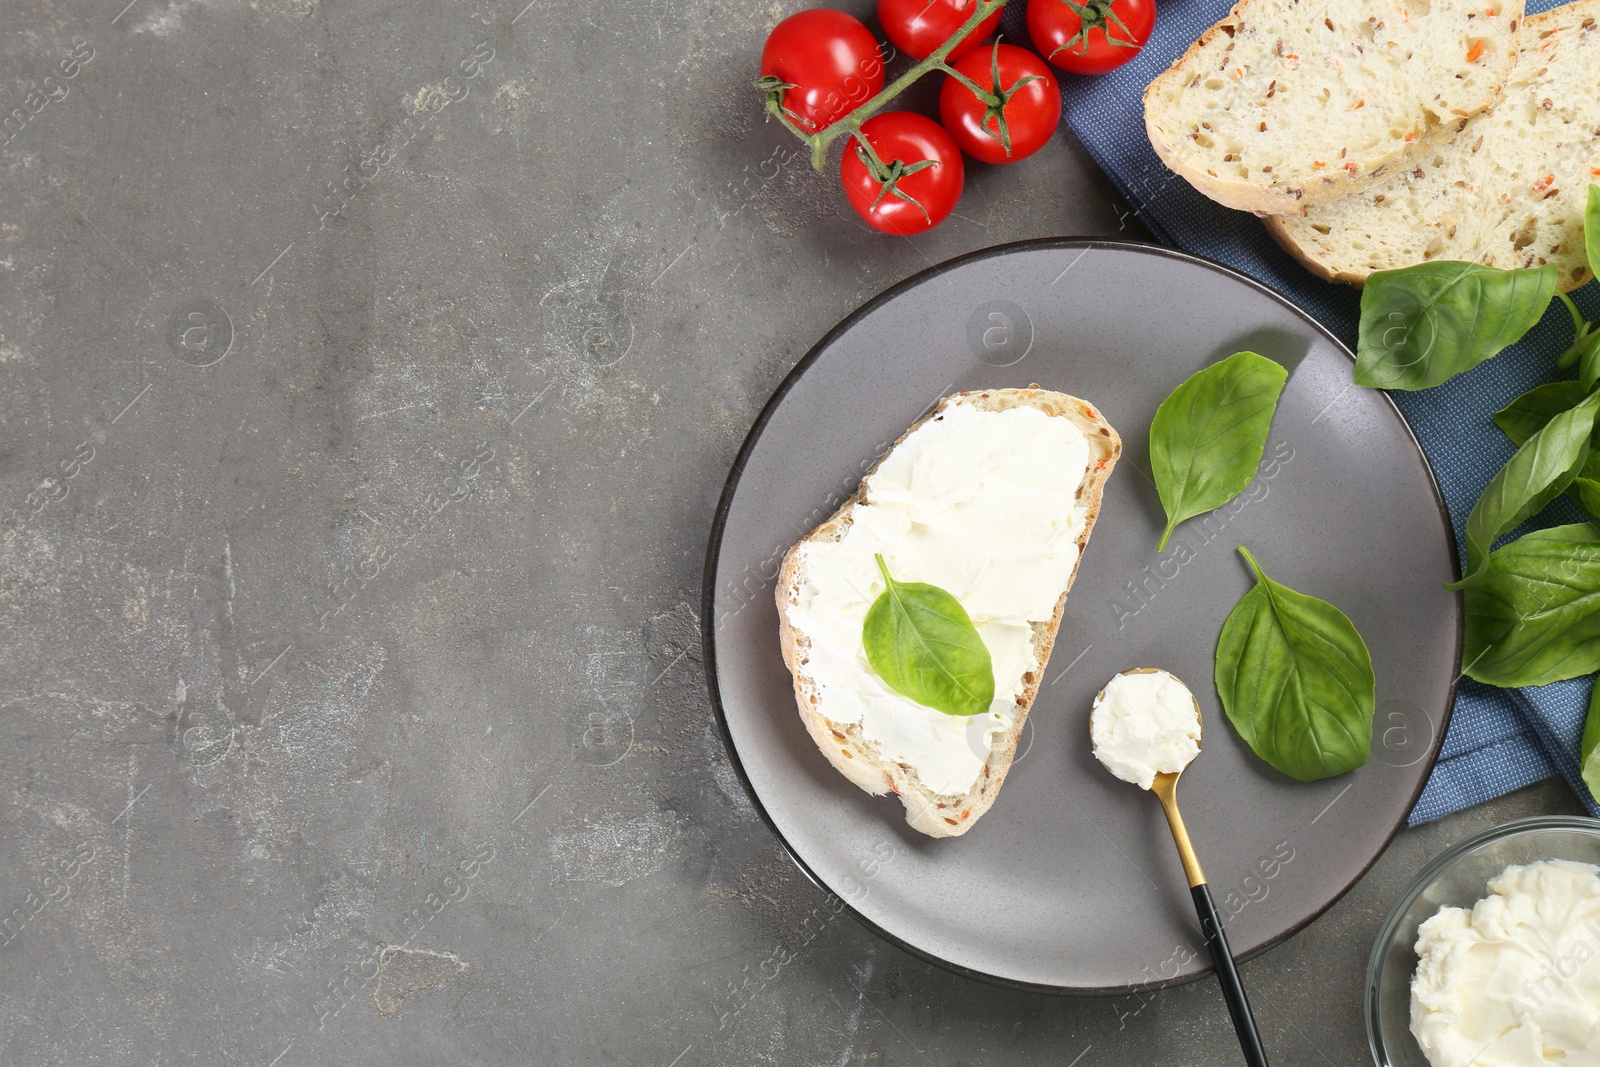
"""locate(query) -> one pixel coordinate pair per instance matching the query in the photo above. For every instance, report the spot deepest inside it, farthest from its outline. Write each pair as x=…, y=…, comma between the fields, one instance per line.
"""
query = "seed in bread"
x=1510, y=191
x=1284, y=105
x=991, y=497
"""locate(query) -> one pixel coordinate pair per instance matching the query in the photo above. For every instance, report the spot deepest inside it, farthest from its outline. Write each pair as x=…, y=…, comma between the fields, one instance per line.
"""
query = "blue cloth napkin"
x=1498, y=739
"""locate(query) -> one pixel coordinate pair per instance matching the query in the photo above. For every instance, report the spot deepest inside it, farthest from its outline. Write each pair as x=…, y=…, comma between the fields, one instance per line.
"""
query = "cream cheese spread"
x=1143, y=724
x=1515, y=980
x=982, y=504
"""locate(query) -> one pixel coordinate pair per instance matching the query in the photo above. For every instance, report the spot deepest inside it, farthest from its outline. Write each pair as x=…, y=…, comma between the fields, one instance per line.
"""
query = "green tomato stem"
x=983, y=95
x=877, y=165
x=851, y=123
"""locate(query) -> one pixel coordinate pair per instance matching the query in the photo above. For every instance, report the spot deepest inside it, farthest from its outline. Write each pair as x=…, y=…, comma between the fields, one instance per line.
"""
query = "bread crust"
x=1286, y=240
x=844, y=745
x=1274, y=198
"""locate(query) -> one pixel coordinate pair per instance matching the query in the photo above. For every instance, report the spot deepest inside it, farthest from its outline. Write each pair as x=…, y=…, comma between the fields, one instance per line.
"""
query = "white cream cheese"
x=1144, y=724
x=982, y=504
x=1515, y=980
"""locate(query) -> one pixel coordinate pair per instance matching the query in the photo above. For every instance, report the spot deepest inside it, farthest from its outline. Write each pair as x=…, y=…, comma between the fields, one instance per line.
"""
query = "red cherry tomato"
x=917, y=27
x=919, y=181
x=830, y=61
x=1091, y=37
x=1018, y=113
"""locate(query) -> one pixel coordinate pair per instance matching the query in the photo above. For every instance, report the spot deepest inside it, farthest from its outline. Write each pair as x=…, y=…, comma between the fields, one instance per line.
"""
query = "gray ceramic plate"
x=1070, y=882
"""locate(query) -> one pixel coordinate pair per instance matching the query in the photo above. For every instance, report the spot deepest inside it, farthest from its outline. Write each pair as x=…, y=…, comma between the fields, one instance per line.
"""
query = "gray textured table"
x=369, y=376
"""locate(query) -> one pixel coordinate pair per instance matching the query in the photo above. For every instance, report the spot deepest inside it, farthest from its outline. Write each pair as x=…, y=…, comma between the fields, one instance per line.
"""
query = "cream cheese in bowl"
x=1515, y=979
x=1492, y=954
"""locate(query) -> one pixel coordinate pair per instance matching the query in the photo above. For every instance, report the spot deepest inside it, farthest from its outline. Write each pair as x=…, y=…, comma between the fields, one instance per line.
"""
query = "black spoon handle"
x=1232, y=989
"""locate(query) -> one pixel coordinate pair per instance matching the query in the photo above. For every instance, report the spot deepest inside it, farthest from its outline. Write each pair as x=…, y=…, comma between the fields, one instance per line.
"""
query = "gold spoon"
x=1165, y=786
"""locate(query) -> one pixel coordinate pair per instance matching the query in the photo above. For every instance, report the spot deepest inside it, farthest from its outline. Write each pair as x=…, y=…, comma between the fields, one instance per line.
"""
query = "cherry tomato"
x=919, y=181
x=1091, y=37
x=829, y=62
x=1020, y=108
x=917, y=27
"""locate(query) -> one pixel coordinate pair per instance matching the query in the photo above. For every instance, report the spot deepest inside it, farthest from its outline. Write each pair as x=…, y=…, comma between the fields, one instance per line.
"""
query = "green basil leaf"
x=1528, y=413
x=1296, y=680
x=1590, y=745
x=1539, y=472
x=923, y=645
x=1207, y=436
x=1589, y=361
x=1591, y=229
x=1423, y=324
x=1533, y=614
x=1585, y=488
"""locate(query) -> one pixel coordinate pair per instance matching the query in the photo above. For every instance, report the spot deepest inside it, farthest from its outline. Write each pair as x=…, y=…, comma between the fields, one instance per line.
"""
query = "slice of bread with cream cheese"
x=991, y=497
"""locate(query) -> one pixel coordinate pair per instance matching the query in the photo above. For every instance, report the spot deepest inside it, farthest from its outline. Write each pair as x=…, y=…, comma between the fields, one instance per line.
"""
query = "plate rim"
x=736, y=473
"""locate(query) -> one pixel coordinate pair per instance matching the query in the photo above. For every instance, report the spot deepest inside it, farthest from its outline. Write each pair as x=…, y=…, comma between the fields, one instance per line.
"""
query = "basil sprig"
x=1588, y=344
x=1588, y=762
x=1533, y=613
x=1585, y=347
x=1296, y=680
x=1532, y=606
x=1528, y=413
x=921, y=642
x=1539, y=472
x=1207, y=436
x=1591, y=229
x=1585, y=488
x=1423, y=324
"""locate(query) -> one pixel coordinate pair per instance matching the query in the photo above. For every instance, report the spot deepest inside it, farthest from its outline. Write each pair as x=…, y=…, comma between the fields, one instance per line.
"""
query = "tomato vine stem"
x=850, y=124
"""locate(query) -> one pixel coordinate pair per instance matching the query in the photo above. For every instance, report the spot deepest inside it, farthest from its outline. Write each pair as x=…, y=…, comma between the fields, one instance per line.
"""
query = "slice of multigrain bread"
x=855, y=755
x=1510, y=191
x=1287, y=104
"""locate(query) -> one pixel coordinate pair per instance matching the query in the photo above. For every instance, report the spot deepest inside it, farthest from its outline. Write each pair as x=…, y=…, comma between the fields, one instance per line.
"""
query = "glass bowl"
x=1459, y=877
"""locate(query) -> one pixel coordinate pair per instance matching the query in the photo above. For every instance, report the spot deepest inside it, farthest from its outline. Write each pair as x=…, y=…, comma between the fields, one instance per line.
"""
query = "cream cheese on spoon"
x=1145, y=723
